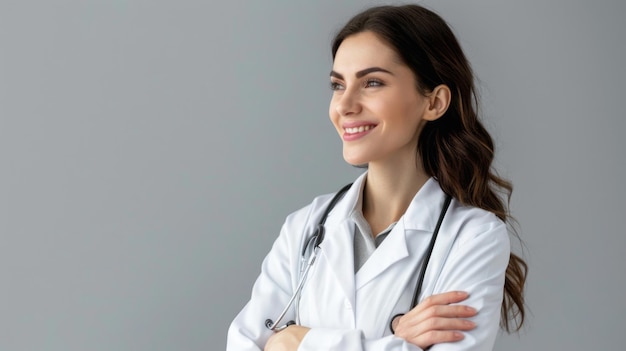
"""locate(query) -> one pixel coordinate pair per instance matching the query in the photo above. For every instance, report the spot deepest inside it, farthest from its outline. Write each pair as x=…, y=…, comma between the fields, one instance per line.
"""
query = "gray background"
x=150, y=150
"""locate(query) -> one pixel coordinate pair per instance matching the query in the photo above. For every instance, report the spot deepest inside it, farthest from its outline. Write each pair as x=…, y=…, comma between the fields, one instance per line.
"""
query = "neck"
x=388, y=192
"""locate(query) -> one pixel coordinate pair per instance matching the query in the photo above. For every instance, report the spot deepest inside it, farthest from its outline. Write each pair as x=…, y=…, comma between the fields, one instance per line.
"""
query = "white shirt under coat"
x=348, y=311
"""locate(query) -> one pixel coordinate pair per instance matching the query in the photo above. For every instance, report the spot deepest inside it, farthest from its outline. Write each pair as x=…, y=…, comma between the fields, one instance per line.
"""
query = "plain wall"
x=150, y=151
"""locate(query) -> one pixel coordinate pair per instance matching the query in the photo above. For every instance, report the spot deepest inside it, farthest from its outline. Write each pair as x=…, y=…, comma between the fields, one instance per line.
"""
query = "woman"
x=404, y=105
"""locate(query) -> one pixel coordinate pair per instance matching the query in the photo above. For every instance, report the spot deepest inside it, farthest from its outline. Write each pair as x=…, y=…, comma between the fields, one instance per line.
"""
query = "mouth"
x=359, y=129
x=357, y=132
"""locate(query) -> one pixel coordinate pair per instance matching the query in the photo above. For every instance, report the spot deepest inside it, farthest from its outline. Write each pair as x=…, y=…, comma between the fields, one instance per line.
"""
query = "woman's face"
x=375, y=106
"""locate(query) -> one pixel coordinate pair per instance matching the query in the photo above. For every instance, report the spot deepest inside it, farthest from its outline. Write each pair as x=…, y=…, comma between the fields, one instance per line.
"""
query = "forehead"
x=363, y=50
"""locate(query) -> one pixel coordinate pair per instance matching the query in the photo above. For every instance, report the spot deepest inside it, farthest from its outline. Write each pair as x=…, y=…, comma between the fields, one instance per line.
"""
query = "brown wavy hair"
x=456, y=149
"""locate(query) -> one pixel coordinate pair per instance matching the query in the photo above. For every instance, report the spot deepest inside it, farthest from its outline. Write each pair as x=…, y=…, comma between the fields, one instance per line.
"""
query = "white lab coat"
x=348, y=311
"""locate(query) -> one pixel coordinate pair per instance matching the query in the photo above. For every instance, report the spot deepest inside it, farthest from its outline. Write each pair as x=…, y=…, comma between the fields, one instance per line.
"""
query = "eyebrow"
x=361, y=73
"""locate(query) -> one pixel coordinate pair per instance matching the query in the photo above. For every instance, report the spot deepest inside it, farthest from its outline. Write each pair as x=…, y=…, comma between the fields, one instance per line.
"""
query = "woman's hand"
x=435, y=321
x=286, y=340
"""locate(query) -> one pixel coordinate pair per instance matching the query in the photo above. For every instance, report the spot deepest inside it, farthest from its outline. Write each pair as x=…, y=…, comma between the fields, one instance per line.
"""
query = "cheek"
x=332, y=114
x=407, y=111
x=391, y=111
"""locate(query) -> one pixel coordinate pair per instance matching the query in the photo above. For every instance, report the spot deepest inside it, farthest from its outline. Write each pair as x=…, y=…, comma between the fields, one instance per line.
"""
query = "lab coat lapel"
x=393, y=249
x=338, y=245
x=420, y=217
x=336, y=249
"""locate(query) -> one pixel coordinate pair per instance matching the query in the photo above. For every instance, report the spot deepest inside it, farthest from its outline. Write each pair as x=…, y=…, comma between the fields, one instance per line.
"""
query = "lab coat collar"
x=422, y=213
x=348, y=203
x=424, y=210
x=419, y=219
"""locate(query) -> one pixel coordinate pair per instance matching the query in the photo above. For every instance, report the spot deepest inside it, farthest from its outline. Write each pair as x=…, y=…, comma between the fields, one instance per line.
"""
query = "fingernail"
x=469, y=323
x=461, y=293
x=470, y=309
x=458, y=335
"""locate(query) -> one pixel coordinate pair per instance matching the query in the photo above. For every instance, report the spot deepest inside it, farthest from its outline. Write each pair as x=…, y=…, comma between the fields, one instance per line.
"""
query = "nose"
x=348, y=103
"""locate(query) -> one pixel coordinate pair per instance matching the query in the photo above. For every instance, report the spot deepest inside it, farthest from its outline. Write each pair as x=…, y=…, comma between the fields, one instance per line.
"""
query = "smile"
x=357, y=132
x=359, y=129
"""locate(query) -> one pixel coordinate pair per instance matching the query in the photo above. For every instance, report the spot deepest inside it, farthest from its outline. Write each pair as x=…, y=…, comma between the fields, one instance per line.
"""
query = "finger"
x=448, y=311
x=446, y=324
x=435, y=330
x=445, y=298
x=434, y=324
x=436, y=337
x=435, y=312
x=439, y=299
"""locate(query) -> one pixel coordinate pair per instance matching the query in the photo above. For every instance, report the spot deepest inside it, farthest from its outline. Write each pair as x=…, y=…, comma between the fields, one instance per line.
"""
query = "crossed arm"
x=437, y=319
x=476, y=265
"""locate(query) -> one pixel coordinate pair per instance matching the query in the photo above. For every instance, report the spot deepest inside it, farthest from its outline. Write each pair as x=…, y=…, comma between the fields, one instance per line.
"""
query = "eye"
x=372, y=83
x=336, y=86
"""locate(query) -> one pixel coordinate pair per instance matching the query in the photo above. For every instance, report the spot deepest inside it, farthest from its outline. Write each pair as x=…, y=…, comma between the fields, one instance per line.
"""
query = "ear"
x=438, y=102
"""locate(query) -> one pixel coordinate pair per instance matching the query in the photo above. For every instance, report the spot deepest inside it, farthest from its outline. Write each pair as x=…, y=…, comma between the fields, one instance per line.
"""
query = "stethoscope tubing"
x=317, y=238
x=273, y=326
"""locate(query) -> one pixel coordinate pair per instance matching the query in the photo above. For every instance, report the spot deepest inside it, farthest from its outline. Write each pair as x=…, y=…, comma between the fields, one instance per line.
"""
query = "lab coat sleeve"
x=351, y=340
x=476, y=263
x=270, y=293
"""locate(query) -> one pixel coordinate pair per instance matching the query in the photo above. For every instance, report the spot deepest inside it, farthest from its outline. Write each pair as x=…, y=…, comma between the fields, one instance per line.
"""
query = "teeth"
x=360, y=129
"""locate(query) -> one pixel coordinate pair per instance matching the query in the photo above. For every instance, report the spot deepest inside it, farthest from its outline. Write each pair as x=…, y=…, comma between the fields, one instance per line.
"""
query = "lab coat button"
x=347, y=304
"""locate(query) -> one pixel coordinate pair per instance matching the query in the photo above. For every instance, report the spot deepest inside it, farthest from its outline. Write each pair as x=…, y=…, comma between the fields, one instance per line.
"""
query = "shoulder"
x=296, y=228
x=309, y=213
x=473, y=224
x=345, y=199
x=474, y=245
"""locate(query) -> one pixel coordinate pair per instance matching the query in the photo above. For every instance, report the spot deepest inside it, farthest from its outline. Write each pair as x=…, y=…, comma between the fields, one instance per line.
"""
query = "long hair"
x=456, y=149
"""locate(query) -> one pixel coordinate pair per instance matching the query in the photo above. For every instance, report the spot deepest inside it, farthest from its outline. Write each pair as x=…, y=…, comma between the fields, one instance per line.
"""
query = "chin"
x=355, y=161
x=357, y=164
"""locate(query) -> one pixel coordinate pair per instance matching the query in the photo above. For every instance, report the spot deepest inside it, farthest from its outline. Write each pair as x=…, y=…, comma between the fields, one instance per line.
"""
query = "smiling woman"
x=379, y=101
x=415, y=254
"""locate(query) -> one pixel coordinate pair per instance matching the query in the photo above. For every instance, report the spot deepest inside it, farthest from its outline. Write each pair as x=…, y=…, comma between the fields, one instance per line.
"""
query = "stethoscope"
x=312, y=247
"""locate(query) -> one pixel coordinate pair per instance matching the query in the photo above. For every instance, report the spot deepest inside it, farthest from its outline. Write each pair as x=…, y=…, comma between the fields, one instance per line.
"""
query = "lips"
x=355, y=131
x=359, y=129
